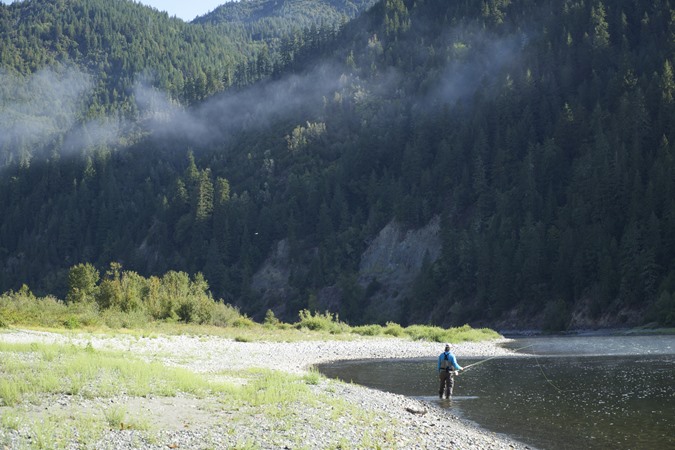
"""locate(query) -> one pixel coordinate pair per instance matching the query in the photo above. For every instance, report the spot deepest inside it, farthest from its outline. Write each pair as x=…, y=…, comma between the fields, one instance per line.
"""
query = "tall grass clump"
x=466, y=333
x=393, y=329
x=368, y=330
x=426, y=333
x=271, y=387
x=326, y=322
x=115, y=416
x=11, y=420
x=457, y=334
x=313, y=377
x=68, y=369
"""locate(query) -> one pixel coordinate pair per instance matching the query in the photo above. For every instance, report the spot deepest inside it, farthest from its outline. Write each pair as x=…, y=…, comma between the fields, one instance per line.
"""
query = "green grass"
x=115, y=416
x=34, y=369
x=61, y=430
x=458, y=334
x=368, y=330
x=25, y=310
x=30, y=373
x=11, y=420
x=270, y=387
x=312, y=377
x=326, y=322
x=294, y=333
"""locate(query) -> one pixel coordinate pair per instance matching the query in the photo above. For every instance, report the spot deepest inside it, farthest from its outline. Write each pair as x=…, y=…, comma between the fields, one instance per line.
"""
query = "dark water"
x=575, y=392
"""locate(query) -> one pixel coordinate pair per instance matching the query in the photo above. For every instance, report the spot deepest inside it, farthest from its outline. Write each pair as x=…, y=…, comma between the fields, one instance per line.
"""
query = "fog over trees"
x=540, y=133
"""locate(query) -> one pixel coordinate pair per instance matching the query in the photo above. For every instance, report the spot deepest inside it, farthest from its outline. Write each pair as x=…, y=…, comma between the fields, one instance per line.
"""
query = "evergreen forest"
x=539, y=134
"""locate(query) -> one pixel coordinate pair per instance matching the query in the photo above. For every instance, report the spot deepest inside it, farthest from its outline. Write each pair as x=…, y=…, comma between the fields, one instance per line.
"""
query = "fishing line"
x=492, y=357
x=548, y=380
x=541, y=369
x=536, y=358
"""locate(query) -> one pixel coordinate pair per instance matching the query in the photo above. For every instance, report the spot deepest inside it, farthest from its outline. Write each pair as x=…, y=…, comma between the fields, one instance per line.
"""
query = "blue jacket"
x=451, y=359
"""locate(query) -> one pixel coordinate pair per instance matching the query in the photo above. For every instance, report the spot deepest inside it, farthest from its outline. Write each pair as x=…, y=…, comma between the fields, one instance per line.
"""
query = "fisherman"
x=447, y=364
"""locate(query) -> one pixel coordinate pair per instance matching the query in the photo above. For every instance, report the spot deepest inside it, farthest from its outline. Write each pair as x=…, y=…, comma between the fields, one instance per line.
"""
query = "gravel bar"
x=383, y=421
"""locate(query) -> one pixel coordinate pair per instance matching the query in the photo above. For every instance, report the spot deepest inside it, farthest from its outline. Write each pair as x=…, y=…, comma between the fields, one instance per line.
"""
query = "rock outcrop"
x=387, y=271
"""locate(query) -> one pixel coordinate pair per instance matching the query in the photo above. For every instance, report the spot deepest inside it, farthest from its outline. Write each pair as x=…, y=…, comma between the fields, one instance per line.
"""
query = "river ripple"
x=591, y=392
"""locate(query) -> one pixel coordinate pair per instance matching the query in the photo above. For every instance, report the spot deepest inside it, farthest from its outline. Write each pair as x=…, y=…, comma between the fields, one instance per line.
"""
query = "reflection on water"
x=596, y=345
x=619, y=399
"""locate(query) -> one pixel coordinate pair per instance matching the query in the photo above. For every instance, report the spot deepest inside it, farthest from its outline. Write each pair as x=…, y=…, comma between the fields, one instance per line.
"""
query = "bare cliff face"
x=387, y=271
x=392, y=262
x=271, y=281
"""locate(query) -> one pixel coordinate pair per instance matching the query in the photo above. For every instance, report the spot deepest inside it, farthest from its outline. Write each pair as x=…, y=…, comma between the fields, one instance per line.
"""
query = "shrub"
x=456, y=334
x=223, y=315
x=188, y=309
x=426, y=333
x=23, y=307
x=87, y=314
x=3, y=322
x=243, y=322
x=71, y=323
x=270, y=319
x=466, y=333
x=321, y=322
x=368, y=330
x=394, y=329
x=82, y=279
x=116, y=319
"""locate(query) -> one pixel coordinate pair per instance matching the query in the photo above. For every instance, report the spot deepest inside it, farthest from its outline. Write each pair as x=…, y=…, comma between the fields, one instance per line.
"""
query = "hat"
x=447, y=347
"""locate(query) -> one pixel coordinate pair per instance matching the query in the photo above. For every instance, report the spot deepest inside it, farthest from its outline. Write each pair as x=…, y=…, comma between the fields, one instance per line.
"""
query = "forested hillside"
x=273, y=19
x=95, y=64
x=289, y=29
x=539, y=133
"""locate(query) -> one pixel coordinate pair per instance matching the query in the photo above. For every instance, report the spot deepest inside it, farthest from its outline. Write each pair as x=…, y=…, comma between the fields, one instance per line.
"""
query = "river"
x=589, y=392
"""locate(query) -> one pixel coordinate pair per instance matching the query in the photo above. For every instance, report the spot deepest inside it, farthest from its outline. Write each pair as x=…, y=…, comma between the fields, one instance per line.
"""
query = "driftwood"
x=419, y=412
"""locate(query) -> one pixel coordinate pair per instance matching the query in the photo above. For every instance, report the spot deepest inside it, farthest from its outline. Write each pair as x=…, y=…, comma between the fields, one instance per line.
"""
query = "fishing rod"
x=493, y=357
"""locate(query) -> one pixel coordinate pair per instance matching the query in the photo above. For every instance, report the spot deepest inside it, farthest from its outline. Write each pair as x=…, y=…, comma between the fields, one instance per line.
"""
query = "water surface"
x=593, y=392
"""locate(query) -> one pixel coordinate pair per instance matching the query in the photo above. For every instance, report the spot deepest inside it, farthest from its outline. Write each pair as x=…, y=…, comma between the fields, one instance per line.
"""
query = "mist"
x=34, y=110
x=47, y=109
x=253, y=108
x=476, y=63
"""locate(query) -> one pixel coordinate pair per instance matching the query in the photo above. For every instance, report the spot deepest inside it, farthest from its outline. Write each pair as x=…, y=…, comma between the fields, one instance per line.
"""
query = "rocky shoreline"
x=383, y=421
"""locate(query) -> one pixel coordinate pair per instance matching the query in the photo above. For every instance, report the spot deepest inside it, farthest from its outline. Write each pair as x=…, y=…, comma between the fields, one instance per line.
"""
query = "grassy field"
x=35, y=376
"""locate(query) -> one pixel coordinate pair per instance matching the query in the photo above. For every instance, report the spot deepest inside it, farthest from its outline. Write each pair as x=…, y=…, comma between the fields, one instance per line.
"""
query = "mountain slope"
x=119, y=38
x=281, y=15
x=115, y=58
x=538, y=135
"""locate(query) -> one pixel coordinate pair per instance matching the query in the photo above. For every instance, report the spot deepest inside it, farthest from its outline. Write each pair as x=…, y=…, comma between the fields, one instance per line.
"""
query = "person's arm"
x=455, y=364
